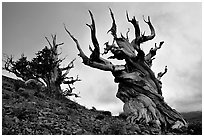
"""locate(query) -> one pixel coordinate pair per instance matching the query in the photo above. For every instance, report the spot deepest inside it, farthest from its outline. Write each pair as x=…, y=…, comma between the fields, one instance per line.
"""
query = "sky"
x=179, y=25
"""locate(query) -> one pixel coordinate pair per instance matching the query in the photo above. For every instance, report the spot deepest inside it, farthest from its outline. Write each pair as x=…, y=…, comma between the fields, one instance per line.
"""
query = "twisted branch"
x=135, y=23
x=152, y=35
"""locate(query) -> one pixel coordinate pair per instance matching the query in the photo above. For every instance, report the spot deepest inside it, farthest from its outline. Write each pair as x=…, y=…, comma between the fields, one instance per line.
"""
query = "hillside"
x=193, y=116
x=27, y=111
x=195, y=121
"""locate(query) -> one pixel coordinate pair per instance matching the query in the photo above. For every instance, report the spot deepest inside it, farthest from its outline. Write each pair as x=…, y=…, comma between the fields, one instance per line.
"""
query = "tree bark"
x=138, y=86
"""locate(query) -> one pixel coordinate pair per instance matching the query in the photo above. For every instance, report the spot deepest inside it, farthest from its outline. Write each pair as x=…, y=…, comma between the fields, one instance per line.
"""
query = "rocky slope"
x=28, y=111
x=195, y=121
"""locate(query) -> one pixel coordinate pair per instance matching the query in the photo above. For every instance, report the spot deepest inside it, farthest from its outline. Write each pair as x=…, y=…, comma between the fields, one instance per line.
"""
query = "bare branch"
x=59, y=44
x=91, y=48
x=95, y=56
x=152, y=53
x=145, y=20
x=71, y=80
x=128, y=16
x=54, y=40
x=67, y=69
x=153, y=50
x=81, y=53
x=152, y=35
x=68, y=92
x=135, y=23
x=48, y=42
x=8, y=63
x=54, y=46
x=69, y=66
x=107, y=66
x=92, y=21
x=127, y=34
x=113, y=29
x=161, y=74
x=160, y=44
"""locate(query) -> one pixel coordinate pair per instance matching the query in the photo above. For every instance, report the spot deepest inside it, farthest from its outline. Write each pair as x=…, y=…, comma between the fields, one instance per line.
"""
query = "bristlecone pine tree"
x=44, y=67
x=138, y=87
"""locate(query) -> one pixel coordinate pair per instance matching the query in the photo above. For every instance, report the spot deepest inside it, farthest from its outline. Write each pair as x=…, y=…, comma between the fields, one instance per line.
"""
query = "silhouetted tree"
x=44, y=67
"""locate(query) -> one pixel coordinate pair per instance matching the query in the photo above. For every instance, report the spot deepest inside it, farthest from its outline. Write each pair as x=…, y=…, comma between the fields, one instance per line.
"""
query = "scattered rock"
x=21, y=90
x=78, y=132
x=27, y=112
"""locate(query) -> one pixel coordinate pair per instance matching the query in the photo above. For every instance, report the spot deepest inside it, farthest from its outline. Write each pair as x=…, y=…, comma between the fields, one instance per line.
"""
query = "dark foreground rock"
x=26, y=111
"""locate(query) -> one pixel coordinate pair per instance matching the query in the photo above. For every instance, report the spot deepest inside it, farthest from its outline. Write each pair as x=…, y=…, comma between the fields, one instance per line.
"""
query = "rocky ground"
x=27, y=111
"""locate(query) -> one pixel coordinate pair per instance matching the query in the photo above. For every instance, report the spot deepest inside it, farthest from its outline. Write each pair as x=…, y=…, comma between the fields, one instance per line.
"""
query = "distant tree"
x=44, y=67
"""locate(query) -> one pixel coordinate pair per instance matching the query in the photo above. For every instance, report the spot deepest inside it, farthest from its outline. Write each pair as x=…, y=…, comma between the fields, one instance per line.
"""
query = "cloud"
x=192, y=104
x=107, y=94
x=185, y=90
x=178, y=24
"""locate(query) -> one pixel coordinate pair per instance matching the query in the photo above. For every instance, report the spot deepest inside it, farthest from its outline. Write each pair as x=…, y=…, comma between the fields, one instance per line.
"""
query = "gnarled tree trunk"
x=138, y=87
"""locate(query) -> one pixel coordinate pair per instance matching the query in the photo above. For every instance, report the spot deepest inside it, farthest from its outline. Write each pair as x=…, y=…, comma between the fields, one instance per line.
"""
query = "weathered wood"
x=138, y=86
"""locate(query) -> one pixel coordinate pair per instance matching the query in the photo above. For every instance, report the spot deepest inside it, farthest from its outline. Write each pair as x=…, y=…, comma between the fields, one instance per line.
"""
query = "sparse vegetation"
x=32, y=112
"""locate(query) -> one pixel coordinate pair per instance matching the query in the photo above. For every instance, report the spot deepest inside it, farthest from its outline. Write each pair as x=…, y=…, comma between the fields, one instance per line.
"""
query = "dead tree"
x=138, y=87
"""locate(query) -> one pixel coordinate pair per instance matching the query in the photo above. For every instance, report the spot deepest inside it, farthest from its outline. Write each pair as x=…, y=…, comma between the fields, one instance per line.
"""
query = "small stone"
x=21, y=89
x=78, y=132
x=16, y=119
x=28, y=130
